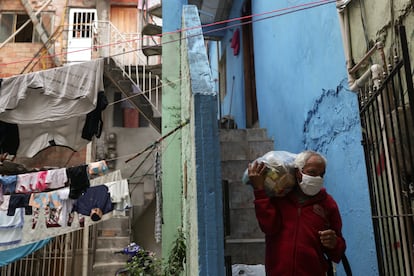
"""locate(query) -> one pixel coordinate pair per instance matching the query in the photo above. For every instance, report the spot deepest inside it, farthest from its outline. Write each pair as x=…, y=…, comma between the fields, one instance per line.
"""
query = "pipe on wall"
x=344, y=26
x=374, y=71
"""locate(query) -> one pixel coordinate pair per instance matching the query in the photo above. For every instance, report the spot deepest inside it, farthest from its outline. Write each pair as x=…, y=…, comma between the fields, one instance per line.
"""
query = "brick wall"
x=55, y=156
x=10, y=5
x=15, y=56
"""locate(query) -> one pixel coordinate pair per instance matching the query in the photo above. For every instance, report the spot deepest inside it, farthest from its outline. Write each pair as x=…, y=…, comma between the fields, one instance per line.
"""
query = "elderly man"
x=302, y=228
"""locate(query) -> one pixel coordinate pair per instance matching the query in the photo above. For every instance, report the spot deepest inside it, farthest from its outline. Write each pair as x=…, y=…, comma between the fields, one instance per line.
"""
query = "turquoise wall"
x=304, y=102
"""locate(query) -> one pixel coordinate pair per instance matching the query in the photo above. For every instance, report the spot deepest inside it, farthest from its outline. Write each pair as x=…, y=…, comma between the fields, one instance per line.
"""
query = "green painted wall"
x=171, y=118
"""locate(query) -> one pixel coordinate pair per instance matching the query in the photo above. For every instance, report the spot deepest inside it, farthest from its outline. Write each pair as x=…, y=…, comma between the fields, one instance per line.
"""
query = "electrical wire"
x=283, y=11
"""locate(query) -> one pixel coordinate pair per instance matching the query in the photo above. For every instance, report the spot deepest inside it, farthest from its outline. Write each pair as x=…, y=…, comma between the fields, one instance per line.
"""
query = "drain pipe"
x=344, y=26
x=374, y=71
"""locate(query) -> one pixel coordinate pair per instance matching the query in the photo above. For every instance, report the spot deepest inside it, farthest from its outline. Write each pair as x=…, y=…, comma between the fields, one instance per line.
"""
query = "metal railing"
x=126, y=51
x=62, y=256
x=387, y=120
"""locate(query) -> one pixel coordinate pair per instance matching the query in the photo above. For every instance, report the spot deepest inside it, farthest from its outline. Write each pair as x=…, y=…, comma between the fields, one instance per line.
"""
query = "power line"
x=283, y=11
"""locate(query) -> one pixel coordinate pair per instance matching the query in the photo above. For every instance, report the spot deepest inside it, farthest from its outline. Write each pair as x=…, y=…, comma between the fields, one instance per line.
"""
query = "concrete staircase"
x=244, y=241
x=114, y=234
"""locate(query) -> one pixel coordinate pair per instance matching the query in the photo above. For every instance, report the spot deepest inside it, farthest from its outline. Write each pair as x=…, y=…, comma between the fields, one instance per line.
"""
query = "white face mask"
x=311, y=185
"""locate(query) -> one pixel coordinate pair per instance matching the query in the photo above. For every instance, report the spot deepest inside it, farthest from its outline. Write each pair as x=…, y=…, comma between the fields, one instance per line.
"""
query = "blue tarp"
x=11, y=255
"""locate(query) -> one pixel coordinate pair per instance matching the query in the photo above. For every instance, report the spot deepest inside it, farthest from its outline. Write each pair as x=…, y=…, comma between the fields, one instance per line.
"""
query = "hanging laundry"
x=235, y=42
x=78, y=180
x=50, y=107
x=98, y=168
x=9, y=138
x=31, y=182
x=8, y=183
x=56, y=178
x=51, y=205
x=12, y=230
x=96, y=197
x=51, y=95
x=109, y=177
x=19, y=201
x=120, y=197
x=93, y=124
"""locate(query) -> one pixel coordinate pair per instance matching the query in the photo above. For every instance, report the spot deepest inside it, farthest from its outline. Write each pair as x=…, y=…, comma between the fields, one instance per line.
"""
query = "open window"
x=12, y=22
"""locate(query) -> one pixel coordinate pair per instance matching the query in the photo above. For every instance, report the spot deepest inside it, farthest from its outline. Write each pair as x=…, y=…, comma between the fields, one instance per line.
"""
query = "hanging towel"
x=235, y=42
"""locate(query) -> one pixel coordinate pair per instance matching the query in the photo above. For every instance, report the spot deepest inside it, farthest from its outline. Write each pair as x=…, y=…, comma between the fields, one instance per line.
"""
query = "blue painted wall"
x=303, y=102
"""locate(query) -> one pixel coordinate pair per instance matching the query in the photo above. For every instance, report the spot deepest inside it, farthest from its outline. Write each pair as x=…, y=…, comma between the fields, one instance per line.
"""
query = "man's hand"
x=328, y=238
x=256, y=172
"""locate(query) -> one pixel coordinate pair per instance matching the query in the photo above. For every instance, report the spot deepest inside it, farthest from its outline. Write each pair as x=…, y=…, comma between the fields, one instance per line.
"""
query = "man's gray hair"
x=304, y=156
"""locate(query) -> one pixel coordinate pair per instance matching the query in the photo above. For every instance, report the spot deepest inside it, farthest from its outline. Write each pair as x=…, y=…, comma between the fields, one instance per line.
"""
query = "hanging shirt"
x=94, y=197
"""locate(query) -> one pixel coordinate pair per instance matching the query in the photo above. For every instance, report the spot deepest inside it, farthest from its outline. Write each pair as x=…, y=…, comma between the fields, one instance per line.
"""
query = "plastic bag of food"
x=280, y=172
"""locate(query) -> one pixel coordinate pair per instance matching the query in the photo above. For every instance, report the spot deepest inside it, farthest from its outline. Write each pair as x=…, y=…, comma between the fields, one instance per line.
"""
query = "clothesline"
x=50, y=210
x=259, y=17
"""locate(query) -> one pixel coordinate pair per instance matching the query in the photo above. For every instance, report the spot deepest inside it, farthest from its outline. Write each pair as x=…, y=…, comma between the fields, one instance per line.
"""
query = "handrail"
x=46, y=46
x=120, y=50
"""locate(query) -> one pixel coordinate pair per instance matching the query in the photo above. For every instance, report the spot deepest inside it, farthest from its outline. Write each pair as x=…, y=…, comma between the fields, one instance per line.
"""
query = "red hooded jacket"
x=293, y=245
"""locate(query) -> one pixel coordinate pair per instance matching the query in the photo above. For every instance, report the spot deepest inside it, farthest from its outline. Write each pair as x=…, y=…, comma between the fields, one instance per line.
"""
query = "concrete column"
x=171, y=118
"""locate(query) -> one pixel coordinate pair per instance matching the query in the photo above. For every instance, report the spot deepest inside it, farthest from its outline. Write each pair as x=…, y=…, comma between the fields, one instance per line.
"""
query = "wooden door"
x=125, y=19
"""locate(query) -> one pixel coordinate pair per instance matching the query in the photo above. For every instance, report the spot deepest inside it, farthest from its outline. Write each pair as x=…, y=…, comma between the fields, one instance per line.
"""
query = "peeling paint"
x=332, y=115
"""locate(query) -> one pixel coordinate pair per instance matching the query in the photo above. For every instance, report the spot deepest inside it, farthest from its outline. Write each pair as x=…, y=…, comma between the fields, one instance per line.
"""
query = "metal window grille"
x=387, y=120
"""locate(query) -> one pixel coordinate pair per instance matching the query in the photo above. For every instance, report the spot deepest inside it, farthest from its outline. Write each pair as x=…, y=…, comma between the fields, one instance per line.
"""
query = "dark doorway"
x=252, y=116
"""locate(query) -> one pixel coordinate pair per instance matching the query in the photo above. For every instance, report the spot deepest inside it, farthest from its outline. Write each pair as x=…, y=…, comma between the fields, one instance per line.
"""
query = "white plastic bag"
x=280, y=173
x=248, y=270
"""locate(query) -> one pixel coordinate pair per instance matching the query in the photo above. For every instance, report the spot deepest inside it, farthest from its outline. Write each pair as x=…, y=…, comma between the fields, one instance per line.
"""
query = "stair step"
x=114, y=232
x=155, y=50
x=246, y=253
x=151, y=29
x=156, y=10
x=250, y=134
x=115, y=243
x=103, y=255
x=106, y=268
x=245, y=241
x=114, y=223
x=232, y=170
x=155, y=69
x=248, y=151
x=244, y=144
x=113, y=76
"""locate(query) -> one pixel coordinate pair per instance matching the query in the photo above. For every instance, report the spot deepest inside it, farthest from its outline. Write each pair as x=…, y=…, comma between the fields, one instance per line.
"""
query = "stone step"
x=156, y=10
x=247, y=151
x=114, y=223
x=102, y=255
x=152, y=50
x=244, y=225
x=115, y=243
x=243, y=135
x=107, y=268
x=114, y=227
x=151, y=29
x=246, y=251
x=244, y=144
x=232, y=170
x=240, y=195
